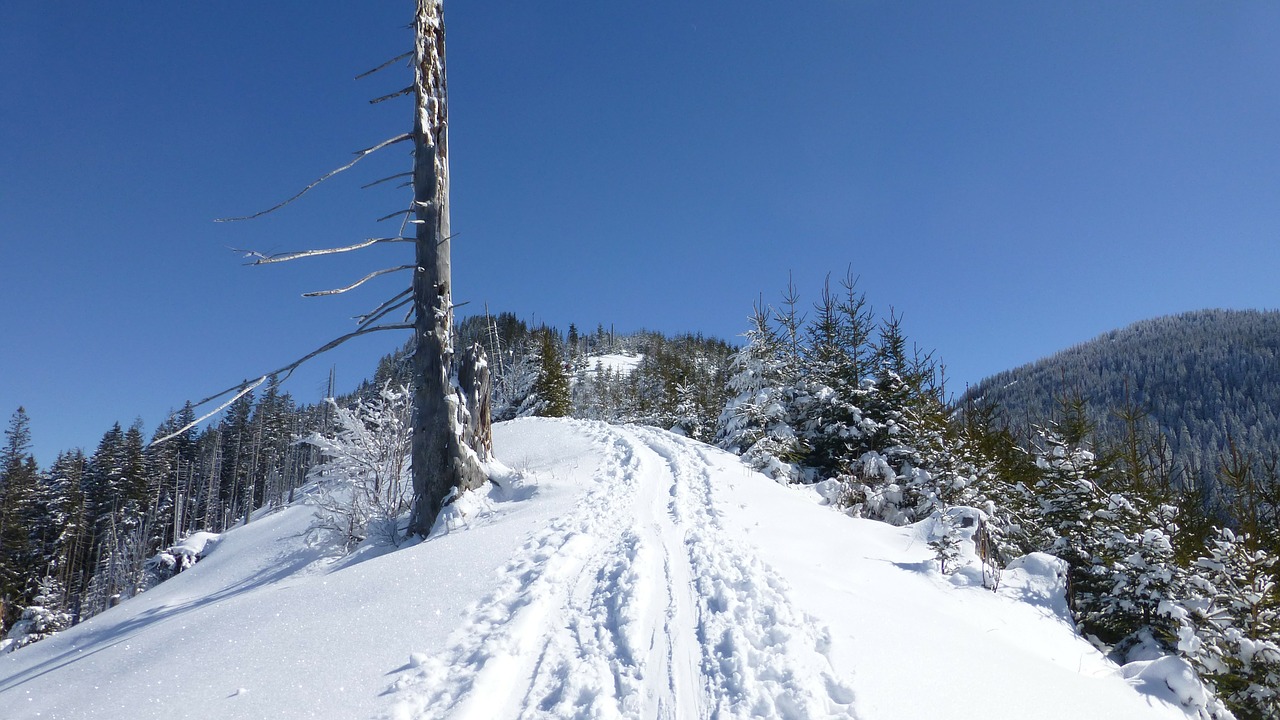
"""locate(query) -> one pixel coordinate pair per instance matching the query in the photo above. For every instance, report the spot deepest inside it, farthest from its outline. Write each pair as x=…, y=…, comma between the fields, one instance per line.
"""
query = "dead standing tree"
x=442, y=459
x=451, y=433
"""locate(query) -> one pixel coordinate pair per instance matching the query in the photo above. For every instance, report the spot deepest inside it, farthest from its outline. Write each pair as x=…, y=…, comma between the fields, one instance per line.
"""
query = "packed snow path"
x=635, y=605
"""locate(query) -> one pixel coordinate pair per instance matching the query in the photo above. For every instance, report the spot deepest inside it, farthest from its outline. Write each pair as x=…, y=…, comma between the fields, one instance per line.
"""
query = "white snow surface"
x=635, y=574
x=619, y=364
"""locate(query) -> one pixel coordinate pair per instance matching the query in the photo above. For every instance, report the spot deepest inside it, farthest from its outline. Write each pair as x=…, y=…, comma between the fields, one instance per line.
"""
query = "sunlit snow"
x=633, y=574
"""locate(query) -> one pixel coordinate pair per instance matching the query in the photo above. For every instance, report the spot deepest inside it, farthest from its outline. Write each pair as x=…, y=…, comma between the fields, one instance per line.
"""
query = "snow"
x=618, y=364
x=626, y=572
x=186, y=552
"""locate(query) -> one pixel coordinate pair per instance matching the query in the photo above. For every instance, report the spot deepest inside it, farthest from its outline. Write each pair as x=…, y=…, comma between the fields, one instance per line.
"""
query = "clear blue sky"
x=1014, y=177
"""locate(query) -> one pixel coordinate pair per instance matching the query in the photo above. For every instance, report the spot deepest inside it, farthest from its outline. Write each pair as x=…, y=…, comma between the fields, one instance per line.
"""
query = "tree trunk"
x=474, y=383
x=440, y=460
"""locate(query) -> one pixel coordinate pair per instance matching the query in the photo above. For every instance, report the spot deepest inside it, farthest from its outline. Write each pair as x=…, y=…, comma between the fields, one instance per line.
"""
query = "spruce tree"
x=18, y=479
x=756, y=422
x=1232, y=631
x=552, y=385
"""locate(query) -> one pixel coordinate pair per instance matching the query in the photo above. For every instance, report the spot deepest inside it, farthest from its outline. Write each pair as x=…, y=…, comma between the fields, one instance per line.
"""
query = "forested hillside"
x=1206, y=379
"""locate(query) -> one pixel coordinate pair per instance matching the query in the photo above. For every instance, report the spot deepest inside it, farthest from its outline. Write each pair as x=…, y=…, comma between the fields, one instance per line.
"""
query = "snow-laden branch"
x=387, y=64
x=358, y=283
x=360, y=155
x=391, y=96
x=262, y=259
x=282, y=374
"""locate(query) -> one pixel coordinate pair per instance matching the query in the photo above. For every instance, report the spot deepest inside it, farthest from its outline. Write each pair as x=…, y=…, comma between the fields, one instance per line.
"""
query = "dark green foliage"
x=18, y=480
x=83, y=530
x=552, y=386
x=1203, y=378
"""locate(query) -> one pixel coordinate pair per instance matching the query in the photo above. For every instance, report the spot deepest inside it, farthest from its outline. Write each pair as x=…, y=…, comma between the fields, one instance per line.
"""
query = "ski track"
x=635, y=604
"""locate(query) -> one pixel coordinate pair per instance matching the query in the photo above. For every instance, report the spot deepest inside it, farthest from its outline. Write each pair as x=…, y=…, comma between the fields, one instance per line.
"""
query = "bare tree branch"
x=386, y=312
x=285, y=257
x=244, y=388
x=392, y=96
x=358, y=283
x=391, y=177
x=385, y=65
x=372, y=314
x=283, y=373
x=360, y=155
x=288, y=369
x=397, y=213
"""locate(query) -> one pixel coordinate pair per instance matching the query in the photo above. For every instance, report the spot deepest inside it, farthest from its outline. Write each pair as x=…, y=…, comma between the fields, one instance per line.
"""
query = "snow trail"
x=634, y=604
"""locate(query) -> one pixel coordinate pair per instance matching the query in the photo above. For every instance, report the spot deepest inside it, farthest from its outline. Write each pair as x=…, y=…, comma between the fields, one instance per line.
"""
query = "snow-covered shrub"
x=944, y=539
x=45, y=616
x=364, y=488
x=179, y=556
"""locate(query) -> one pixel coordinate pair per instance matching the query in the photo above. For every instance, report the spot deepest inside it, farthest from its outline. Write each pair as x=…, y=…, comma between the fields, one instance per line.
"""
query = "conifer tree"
x=755, y=422
x=18, y=485
x=552, y=386
x=60, y=531
x=1232, y=625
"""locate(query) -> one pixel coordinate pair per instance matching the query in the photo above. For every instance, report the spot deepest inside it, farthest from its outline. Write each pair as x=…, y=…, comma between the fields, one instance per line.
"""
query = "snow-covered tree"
x=1231, y=630
x=46, y=615
x=364, y=488
x=756, y=422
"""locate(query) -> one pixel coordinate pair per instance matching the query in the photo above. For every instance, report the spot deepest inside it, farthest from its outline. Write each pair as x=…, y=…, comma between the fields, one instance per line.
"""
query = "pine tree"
x=47, y=614
x=552, y=386
x=60, y=531
x=1232, y=625
x=18, y=478
x=756, y=422
x=236, y=465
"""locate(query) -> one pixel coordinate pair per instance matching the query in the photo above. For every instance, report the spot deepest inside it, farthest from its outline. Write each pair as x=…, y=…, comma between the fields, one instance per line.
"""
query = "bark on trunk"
x=473, y=381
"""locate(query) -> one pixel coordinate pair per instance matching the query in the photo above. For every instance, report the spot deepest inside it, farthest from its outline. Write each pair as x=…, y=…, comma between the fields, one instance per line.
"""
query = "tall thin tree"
x=450, y=436
x=440, y=460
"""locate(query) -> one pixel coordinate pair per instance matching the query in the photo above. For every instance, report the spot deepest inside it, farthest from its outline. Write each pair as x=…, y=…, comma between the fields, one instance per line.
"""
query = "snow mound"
x=186, y=552
x=1172, y=680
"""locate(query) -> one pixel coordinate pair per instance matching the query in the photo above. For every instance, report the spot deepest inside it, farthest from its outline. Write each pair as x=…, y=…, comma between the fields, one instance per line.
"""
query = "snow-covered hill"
x=635, y=574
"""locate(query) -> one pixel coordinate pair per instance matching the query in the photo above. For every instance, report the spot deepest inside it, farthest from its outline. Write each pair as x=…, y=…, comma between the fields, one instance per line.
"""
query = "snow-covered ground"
x=618, y=364
x=636, y=574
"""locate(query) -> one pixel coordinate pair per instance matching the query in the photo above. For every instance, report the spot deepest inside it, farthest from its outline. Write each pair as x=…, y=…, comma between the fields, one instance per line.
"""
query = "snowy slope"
x=618, y=364
x=637, y=574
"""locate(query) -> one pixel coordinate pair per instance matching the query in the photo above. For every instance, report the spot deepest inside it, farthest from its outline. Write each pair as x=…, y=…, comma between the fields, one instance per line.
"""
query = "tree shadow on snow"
x=89, y=642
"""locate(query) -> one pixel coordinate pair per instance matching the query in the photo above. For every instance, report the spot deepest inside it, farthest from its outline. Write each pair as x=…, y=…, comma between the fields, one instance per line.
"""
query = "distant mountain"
x=1204, y=377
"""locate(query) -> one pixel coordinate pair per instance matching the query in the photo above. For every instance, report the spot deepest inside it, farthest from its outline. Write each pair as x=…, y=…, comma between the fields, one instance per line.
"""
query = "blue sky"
x=1012, y=177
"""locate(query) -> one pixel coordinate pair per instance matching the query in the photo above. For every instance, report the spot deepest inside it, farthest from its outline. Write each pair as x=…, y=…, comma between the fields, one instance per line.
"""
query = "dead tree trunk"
x=441, y=461
x=477, y=392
